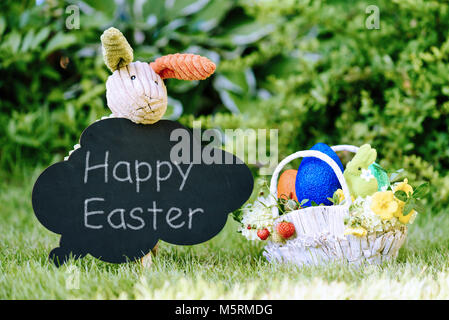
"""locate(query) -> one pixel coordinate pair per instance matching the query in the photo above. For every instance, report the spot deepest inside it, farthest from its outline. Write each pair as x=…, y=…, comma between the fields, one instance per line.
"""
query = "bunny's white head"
x=136, y=90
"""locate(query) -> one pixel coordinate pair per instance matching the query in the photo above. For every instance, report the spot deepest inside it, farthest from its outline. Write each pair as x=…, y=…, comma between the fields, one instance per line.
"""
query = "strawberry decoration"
x=285, y=229
x=263, y=234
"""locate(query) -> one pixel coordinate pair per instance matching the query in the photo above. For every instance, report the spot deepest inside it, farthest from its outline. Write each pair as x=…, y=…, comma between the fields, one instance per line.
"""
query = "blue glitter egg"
x=315, y=180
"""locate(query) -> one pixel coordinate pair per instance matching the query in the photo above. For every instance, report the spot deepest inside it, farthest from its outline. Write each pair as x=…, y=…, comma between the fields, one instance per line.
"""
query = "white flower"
x=257, y=216
x=250, y=234
x=367, y=175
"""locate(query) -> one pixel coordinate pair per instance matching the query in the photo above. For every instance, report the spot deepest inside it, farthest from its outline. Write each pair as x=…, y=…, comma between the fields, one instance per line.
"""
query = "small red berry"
x=249, y=227
x=285, y=229
x=263, y=234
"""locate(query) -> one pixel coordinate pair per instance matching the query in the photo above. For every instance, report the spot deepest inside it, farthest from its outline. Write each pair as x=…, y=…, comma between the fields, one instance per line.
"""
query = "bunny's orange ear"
x=183, y=66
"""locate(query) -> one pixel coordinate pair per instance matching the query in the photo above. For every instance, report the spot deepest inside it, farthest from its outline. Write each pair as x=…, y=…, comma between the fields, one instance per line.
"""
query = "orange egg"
x=286, y=184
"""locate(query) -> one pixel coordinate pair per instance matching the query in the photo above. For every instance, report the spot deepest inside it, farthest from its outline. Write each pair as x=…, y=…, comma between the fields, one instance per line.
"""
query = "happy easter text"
x=136, y=173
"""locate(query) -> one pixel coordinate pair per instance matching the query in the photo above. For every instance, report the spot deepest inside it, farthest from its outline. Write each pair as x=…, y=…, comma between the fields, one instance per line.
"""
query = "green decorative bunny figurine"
x=361, y=182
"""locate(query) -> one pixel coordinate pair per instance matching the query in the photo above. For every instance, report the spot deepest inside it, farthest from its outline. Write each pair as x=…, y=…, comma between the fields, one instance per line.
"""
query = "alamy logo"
x=373, y=20
x=249, y=145
x=73, y=20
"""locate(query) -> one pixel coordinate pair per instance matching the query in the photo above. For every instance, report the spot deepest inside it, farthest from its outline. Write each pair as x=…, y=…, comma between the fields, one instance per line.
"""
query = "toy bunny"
x=361, y=182
x=136, y=90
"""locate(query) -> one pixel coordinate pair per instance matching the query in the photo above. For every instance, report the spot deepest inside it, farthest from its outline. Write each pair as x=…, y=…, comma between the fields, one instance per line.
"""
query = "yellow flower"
x=341, y=196
x=384, y=204
x=404, y=186
x=358, y=232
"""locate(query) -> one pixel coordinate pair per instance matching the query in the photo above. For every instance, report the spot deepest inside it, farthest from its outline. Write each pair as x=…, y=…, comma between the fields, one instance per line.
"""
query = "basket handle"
x=316, y=154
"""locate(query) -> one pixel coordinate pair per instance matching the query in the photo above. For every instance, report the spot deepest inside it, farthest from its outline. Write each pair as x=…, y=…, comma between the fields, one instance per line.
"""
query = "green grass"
x=227, y=267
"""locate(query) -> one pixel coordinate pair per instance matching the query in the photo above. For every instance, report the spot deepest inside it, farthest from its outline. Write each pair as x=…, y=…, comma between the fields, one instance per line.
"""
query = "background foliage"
x=308, y=68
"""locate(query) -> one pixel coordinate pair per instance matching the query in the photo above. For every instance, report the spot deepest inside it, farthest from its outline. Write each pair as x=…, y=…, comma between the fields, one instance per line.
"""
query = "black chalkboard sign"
x=122, y=191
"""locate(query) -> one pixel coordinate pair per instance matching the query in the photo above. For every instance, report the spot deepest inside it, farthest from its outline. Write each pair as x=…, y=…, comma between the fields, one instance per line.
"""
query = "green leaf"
x=408, y=207
x=153, y=10
x=247, y=33
x=27, y=41
x=40, y=36
x=182, y=8
x=60, y=41
x=401, y=195
x=303, y=202
x=419, y=207
x=398, y=175
x=104, y=6
x=12, y=42
x=237, y=215
x=283, y=66
x=2, y=25
x=421, y=191
x=211, y=15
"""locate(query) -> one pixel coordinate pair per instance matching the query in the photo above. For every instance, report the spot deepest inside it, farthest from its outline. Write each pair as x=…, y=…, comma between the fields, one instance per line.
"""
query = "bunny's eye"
x=157, y=83
x=360, y=168
x=133, y=77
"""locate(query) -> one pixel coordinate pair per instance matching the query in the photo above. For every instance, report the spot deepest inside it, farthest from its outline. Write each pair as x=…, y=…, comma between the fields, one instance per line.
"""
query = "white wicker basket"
x=320, y=230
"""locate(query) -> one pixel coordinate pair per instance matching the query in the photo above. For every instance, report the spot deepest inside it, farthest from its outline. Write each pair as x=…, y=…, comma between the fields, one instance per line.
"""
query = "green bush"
x=308, y=68
x=333, y=80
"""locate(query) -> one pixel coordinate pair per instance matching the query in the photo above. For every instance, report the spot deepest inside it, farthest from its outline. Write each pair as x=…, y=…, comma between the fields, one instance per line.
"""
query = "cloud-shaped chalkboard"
x=121, y=192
